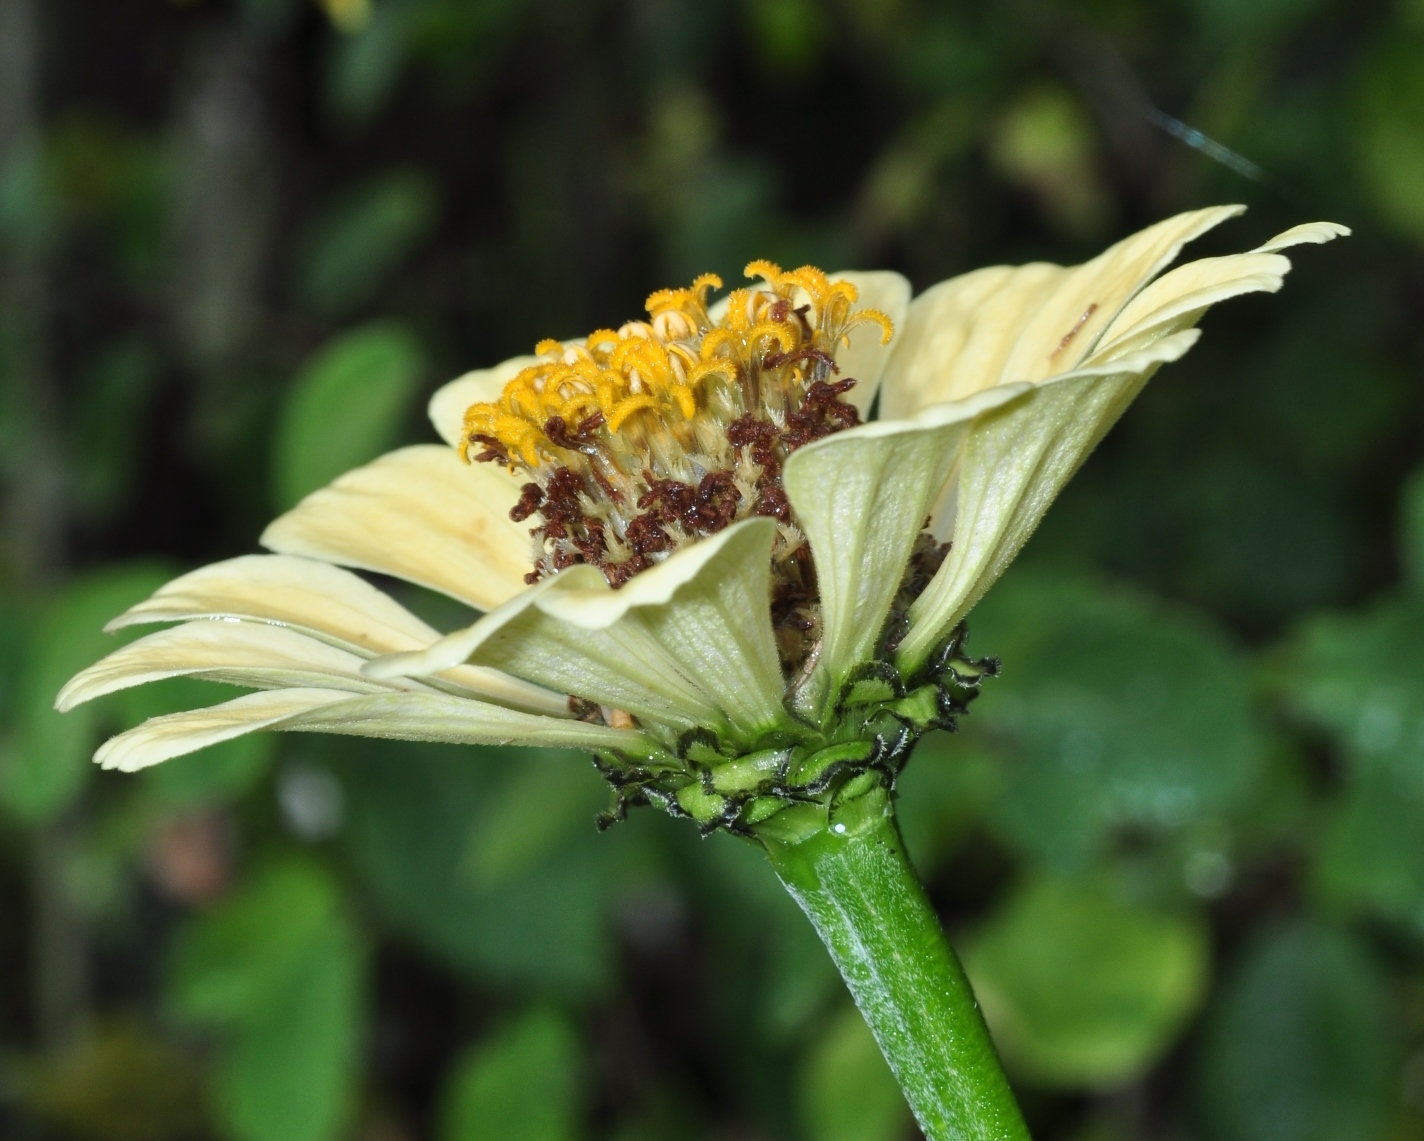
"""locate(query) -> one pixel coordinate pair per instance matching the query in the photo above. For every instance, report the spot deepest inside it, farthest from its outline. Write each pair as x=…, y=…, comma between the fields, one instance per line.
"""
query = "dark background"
x=1180, y=842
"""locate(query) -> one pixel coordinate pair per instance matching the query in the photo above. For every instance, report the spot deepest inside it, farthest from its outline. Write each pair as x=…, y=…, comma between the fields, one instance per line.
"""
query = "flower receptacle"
x=802, y=777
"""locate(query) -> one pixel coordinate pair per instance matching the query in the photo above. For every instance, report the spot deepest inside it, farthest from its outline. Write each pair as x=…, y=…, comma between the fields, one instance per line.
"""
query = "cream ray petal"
x=421, y=514
x=622, y=667
x=432, y=717
x=1264, y=273
x=1306, y=234
x=501, y=688
x=453, y=720
x=1013, y=463
x=958, y=333
x=448, y=406
x=315, y=597
x=708, y=606
x=861, y=497
x=1026, y=322
x=177, y=734
x=1178, y=299
x=456, y=647
x=328, y=603
x=240, y=653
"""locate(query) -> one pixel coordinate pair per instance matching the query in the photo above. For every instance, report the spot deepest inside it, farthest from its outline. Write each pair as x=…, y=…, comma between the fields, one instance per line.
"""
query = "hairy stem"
x=855, y=883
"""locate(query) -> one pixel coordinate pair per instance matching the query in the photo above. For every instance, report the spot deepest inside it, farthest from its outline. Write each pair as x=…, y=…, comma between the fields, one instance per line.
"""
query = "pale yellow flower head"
x=737, y=594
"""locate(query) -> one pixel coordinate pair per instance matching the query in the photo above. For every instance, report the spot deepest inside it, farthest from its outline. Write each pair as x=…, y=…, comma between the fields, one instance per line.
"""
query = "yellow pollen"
x=674, y=371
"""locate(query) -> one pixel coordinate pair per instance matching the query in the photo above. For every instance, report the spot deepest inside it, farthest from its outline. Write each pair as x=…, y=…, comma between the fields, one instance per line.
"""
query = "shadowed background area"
x=1180, y=842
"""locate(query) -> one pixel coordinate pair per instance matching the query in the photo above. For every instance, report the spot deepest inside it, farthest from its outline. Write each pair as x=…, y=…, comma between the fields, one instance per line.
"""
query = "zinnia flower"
x=696, y=561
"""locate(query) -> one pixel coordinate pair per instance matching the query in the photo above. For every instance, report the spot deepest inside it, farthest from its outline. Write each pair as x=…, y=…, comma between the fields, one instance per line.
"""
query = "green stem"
x=855, y=883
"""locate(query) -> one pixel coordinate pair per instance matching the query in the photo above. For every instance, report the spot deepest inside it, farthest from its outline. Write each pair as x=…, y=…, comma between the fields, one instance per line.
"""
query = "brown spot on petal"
x=1073, y=332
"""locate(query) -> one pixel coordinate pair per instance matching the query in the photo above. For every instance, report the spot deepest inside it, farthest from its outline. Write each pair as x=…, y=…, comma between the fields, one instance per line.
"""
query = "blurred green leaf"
x=521, y=1085
x=45, y=755
x=456, y=39
x=1389, y=142
x=941, y=795
x=845, y=1090
x=416, y=817
x=345, y=408
x=535, y=811
x=1267, y=544
x=1372, y=858
x=1081, y=988
x=787, y=34
x=278, y=968
x=363, y=68
x=1362, y=677
x=1116, y=712
x=235, y=964
x=1320, y=382
x=1261, y=18
x=714, y=209
x=780, y=976
x=362, y=237
x=797, y=976
x=1045, y=142
x=1298, y=1047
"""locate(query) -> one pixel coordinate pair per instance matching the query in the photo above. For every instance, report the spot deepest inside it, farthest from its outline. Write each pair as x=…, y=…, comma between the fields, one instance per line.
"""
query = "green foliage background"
x=1180, y=842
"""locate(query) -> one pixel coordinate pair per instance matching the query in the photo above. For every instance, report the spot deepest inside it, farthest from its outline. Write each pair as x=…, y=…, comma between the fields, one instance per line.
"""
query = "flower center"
x=646, y=438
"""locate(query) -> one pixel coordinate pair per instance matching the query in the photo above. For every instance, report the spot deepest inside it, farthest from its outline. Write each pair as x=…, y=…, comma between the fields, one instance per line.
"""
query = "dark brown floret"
x=759, y=437
x=826, y=397
x=579, y=538
x=530, y=496
x=667, y=500
x=646, y=536
x=495, y=451
x=561, y=503
x=822, y=413
x=717, y=499
x=563, y=558
x=577, y=440
x=591, y=544
x=772, y=500
x=776, y=360
x=618, y=574
x=801, y=311
x=704, y=509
